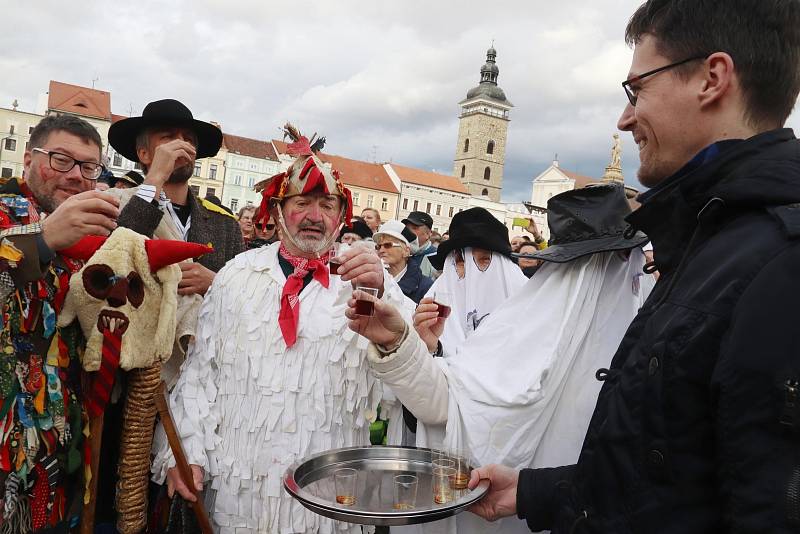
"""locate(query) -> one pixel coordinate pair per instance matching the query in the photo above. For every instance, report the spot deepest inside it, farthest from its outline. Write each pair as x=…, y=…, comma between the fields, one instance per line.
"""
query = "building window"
x=237, y=179
x=384, y=204
x=416, y=205
x=212, y=172
x=438, y=209
x=234, y=204
x=485, y=192
x=11, y=129
x=251, y=181
x=450, y=213
x=463, y=170
x=195, y=189
x=405, y=203
x=254, y=166
x=428, y=208
x=490, y=147
x=211, y=191
x=197, y=168
x=370, y=200
x=11, y=144
x=117, y=160
x=466, y=145
x=6, y=172
x=356, y=199
x=487, y=173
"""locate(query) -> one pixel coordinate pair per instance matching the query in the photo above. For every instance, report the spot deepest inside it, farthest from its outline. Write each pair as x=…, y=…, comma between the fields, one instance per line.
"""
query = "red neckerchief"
x=290, y=302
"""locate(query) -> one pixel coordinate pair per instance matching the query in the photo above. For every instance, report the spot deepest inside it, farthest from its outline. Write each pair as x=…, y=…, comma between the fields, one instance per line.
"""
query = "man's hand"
x=385, y=327
x=428, y=324
x=195, y=279
x=87, y=213
x=166, y=159
x=175, y=483
x=362, y=267
x=501, y=499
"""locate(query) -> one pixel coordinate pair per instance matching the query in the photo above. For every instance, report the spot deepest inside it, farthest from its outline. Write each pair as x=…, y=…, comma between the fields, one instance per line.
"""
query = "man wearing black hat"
x=421, y=224
x=166, y=140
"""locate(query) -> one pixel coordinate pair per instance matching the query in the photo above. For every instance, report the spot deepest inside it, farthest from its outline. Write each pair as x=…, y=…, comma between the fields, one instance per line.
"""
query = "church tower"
x=483, y=125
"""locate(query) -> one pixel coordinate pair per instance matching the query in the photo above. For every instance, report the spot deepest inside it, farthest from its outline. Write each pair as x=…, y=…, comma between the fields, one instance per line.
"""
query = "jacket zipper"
x=791, y=389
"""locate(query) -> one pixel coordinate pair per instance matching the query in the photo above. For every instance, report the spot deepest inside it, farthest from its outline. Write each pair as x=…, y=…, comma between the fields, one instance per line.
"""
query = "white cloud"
x=377, y=78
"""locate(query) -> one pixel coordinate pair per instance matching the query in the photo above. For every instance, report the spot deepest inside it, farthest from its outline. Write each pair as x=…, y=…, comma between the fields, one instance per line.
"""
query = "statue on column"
x=616, y=152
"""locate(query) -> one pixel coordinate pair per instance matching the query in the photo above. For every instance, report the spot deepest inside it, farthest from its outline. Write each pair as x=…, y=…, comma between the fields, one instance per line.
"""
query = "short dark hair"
x=761, y=36
x=64, y=123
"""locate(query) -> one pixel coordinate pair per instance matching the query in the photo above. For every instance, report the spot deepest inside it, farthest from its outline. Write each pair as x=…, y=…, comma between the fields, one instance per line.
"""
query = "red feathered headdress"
x=306, y=174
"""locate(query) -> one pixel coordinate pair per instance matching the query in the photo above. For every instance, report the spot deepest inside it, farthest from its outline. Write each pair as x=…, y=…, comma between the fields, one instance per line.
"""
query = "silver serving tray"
x=310, y=481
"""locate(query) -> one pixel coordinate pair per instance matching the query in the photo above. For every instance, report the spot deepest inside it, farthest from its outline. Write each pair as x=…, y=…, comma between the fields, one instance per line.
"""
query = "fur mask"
x=127, y=290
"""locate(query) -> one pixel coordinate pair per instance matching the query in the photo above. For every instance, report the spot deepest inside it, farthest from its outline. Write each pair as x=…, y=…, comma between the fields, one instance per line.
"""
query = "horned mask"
x=126, y=292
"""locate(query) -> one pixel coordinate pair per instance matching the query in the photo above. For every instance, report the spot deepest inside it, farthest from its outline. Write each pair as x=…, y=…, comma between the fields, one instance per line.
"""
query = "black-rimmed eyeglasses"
x=64, y=163
x=631, y=92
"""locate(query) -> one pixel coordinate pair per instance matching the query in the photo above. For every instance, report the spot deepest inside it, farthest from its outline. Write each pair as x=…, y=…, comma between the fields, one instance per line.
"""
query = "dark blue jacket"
x=414, y=284
x=697, y=426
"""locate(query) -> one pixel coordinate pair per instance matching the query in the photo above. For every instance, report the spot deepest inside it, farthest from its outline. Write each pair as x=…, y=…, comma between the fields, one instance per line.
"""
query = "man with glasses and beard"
x=697, y=425
x=274, y=374
x=41, y=216
x=167, y=140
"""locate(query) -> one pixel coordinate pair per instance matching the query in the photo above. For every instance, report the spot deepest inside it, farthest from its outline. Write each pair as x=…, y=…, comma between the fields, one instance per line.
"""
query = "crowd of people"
x=637, y=372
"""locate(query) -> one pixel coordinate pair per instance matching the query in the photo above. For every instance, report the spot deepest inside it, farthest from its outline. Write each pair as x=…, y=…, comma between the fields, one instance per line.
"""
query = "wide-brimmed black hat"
x=587, y=221
x=474, y=228
x=122, y=134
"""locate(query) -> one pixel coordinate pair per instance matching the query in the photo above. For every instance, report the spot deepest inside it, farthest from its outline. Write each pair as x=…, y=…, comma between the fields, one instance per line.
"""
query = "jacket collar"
x=670, y=212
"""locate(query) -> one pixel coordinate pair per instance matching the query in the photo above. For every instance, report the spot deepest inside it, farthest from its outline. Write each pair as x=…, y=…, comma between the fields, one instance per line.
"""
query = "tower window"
x=466, y=145
x=463, y=170
x=490, y=147
x=487, y=173
x=485, y=192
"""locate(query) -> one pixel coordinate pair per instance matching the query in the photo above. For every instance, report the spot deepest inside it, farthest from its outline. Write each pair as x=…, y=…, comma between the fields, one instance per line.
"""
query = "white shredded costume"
x=246, y=407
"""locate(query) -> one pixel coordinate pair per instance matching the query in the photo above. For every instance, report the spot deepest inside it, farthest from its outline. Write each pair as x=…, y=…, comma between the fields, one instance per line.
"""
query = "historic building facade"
x=482, y=132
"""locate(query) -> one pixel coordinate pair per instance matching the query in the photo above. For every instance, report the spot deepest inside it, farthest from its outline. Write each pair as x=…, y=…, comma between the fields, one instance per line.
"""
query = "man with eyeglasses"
x=697, y=425
x=41, y=216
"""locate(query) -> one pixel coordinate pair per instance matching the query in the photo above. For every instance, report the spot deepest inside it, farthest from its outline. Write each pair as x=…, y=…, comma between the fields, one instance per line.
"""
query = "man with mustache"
x=167, y=140
x=274, y=374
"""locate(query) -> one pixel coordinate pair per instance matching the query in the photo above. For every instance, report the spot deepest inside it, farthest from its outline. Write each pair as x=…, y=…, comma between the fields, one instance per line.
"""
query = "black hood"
x=756, y=173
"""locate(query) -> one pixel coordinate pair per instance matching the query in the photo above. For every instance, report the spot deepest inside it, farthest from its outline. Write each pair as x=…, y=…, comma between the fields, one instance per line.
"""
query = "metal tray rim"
x=362, y=516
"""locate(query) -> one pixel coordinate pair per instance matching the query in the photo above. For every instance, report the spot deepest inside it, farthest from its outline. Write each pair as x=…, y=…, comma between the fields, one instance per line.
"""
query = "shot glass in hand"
x=333, y=259
x=444, y=301
x=345, y=483
x=405, y=492
x=365, y=301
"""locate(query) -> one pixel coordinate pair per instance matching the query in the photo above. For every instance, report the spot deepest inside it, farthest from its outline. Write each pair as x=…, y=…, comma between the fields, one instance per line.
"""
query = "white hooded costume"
x=521, y=391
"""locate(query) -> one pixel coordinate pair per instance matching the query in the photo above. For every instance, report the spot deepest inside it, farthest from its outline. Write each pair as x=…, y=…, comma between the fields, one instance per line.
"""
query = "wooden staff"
x=95, y=441
x=162, y=404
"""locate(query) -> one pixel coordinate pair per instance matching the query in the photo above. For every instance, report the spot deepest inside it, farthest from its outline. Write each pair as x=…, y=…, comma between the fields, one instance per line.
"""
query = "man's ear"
x=144, y=156
x=719, y=75
x=26, y=162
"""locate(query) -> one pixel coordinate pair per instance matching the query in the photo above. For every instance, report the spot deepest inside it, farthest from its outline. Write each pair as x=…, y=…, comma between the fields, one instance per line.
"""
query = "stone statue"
x=616, y=153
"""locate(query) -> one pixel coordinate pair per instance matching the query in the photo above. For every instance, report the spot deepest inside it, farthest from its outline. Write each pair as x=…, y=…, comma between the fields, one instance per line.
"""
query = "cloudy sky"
x=380, y=79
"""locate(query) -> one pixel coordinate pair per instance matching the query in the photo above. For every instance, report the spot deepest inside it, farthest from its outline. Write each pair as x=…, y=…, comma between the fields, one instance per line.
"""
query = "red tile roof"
x=249, y=147
x=354, y=172
x=429, y=179
x=79, y=100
